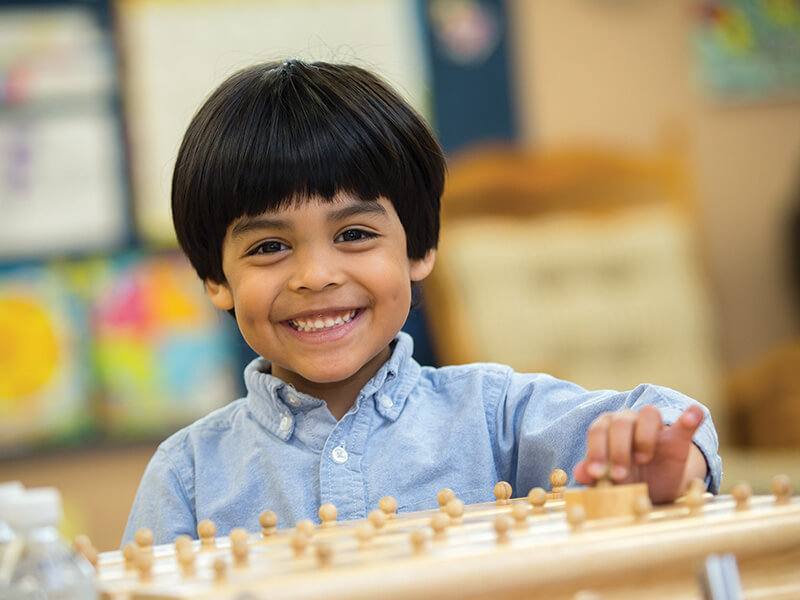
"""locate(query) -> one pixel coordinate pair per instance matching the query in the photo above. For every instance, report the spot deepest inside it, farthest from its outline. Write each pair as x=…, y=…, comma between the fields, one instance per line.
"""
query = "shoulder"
x=222, y=422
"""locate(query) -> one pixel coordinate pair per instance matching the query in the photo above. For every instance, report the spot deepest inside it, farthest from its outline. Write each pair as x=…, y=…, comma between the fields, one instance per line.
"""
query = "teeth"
x=319, y=323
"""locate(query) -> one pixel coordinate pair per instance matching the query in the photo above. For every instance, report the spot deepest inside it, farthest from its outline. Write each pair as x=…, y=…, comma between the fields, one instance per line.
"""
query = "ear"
x=421, y=268
x=220, y=294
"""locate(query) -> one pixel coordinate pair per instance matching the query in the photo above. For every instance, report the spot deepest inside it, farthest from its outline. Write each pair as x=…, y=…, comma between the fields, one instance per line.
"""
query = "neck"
x=338, y=395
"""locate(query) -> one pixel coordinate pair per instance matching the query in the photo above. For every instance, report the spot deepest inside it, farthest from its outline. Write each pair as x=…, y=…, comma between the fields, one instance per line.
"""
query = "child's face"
x=320, y=289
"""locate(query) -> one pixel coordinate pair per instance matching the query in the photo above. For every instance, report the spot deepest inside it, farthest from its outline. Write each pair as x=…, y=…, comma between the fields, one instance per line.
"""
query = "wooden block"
x=606, y=501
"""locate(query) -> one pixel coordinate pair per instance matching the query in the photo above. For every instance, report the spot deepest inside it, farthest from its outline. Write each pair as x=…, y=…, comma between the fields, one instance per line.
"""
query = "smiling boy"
x=306, y=197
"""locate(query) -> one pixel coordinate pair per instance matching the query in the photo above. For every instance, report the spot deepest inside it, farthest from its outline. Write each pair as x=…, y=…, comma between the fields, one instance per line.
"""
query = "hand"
x=629, y=446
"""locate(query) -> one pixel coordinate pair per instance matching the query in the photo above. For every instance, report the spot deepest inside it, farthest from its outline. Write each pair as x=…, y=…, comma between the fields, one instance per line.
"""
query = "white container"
x=41, y=565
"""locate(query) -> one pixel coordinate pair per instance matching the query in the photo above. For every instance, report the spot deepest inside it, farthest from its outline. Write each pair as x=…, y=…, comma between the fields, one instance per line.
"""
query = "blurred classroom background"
x=623, y=205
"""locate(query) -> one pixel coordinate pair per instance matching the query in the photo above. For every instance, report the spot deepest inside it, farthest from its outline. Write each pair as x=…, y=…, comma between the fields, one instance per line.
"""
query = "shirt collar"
x=275, y=404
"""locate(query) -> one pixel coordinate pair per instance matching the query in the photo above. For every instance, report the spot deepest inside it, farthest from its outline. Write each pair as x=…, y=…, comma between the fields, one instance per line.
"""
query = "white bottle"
x=45, y=567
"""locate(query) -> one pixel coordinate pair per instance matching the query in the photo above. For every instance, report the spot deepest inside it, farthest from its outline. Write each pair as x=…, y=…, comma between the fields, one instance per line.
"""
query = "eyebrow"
x=357, y=208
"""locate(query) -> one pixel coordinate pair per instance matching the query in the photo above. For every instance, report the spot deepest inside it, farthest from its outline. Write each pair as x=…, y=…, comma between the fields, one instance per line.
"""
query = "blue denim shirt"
x=412, y=431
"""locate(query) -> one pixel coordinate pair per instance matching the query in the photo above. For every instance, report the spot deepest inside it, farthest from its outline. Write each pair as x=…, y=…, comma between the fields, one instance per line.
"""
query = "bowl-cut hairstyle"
x=281, y=132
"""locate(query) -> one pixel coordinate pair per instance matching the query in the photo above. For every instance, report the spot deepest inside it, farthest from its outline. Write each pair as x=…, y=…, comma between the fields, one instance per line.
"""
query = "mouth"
x=314, y=323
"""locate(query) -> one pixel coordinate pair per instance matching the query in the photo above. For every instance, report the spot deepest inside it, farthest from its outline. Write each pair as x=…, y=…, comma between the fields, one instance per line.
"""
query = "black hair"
x=277, y=132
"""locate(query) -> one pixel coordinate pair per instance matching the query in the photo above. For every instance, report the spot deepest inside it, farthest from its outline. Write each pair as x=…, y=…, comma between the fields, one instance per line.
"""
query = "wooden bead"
x=306, y=527
x=444, y=496
x=455, y=510
x=742, y=492
x=144, y=539
x=502, y=524
x=377, y=518
x=558, y=480
x=185, y=555
x=389, y=506
x=781, y=487
x=519, y=512
x=538, y=498
x=502, y=491
x=439, y=523
x=268, y=521
x=328, y=514
x=207, y=530
x=418, y=539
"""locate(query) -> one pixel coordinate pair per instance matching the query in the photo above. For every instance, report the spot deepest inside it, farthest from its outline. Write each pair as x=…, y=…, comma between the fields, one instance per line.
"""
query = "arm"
x=161, y=503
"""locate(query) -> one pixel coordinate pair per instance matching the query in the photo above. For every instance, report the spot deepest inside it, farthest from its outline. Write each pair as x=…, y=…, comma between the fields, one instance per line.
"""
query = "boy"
x=307, y=198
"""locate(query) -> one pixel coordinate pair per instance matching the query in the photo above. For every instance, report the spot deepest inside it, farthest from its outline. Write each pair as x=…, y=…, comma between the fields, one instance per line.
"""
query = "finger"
x=582, y=474
x=688, y=423
x=597, y=446
x=648, y=426
x=620, y=443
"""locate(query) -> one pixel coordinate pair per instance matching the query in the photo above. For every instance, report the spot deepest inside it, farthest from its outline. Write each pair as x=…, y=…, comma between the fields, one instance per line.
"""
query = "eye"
x=354, y=235
x=269, y=247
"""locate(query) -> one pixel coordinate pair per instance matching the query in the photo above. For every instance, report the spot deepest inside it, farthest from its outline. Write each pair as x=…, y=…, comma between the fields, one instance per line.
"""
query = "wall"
x=620, y=73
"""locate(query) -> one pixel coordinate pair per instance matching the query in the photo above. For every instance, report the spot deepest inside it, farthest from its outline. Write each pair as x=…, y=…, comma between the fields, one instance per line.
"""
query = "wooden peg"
x=642, y=506
x=220, y=570
x=269, y=522
x=538, y=498
x=377, y=518
x=781, y=487
x=444, y=496
x=129, y=552
x=324, y=552
x=558, y=481
x=419, y=539
x=742, y=492
x=519, y=512
x=502, y=524
x=439, y=523
x=83, y=545
x=299, y=543
x=328, y=514
x=144, y=564
x=365, y=532
x=695, y=500
x=144, y=540
x=576, y=516
x=502, y=491
x=185, y=555
x=306, y=527
x=207, y=532
x=239, y=547
x=389, y=506
x=455, y=510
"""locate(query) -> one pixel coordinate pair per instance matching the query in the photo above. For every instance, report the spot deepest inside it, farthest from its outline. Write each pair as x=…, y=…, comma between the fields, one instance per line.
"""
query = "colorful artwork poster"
x=44, y=380
x=749, y=49
x=162, y=354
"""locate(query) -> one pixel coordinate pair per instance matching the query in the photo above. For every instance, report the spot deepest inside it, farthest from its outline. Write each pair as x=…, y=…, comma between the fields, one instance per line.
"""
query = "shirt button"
x=339, y=455
x=385, y=402
x=286, y=422
x=292, y=399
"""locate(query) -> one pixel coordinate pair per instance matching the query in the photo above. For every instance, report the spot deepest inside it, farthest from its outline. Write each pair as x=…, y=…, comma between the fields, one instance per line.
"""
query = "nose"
x=315, y=269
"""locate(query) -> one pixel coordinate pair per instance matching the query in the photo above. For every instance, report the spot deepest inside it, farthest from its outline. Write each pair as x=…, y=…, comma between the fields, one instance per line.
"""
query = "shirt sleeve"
x=541, y=425
x=161, y=504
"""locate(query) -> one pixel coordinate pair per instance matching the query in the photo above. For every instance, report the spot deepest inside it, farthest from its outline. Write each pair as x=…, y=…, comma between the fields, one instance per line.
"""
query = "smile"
x=322, y=322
